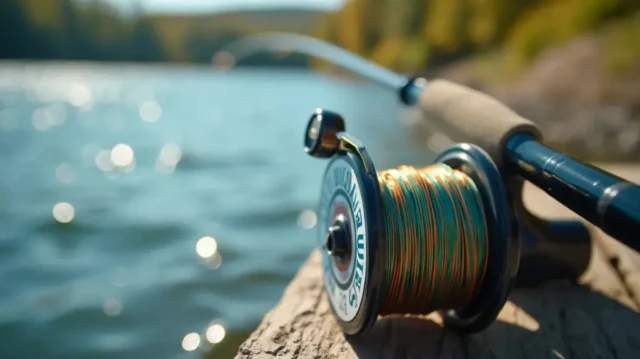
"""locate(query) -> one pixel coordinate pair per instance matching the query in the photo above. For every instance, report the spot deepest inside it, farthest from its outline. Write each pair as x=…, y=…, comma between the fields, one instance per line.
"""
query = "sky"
x=188, y=6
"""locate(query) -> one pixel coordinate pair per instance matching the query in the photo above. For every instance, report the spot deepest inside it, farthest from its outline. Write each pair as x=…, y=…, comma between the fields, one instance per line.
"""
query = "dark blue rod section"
x=609, y=202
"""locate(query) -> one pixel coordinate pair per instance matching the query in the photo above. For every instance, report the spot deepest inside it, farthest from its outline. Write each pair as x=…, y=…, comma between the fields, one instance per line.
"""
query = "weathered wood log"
x=596, y=319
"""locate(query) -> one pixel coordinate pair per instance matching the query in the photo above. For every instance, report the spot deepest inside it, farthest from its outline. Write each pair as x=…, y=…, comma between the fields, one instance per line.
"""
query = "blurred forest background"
x=575, y=60
x=406, y=35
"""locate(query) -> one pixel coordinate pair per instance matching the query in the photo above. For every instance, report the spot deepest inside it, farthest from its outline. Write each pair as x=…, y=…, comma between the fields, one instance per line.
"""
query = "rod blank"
x=278, y=41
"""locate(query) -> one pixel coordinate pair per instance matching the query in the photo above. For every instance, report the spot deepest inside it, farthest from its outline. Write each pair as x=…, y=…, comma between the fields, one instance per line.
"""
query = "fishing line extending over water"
x=277, y=42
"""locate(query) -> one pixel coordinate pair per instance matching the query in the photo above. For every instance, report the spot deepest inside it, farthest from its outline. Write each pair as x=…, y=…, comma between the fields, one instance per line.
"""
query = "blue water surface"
x=189, y=201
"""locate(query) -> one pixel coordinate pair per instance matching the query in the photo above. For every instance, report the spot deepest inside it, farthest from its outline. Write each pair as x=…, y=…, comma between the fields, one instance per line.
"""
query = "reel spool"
x=355, y=245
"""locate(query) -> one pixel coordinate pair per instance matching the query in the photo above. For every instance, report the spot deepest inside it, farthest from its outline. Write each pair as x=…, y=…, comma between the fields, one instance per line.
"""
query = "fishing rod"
x=453, y=237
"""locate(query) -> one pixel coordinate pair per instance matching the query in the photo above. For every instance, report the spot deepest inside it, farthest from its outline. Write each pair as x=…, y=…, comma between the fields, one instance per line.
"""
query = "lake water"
x=157, y=212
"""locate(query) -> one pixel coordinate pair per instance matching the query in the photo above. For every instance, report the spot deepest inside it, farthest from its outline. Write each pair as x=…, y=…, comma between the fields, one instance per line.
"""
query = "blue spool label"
x=344, y=280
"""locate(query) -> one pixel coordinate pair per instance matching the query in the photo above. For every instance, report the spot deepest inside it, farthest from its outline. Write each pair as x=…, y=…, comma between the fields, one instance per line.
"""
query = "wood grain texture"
x=597, y=319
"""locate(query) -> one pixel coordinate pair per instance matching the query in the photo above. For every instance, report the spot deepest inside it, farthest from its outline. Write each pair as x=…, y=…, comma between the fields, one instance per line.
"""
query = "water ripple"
x=124, y=277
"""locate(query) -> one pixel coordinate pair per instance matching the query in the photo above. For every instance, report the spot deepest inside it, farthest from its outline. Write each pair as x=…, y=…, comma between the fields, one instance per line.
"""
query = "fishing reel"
x=360, y=209
x=355, y=244
x=350, y=222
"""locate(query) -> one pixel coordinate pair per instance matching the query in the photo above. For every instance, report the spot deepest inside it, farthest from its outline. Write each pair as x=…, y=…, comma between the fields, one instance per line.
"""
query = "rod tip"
x=411, y=91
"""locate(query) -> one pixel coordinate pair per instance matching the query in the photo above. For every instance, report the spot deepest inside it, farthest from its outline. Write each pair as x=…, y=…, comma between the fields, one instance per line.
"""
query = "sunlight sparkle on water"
x=122, y=155
x=80, y=95
x=168, y=159
x=112, y=307
x=46, y=118
x=307, y=219
x=150, y=111
x=63, y=212
x=191, y=342
x=64, y=173
x=206, y=247
x=170, y=155
x=103, y=161
x=215, y=333
x=214, y=262
x=40, y=120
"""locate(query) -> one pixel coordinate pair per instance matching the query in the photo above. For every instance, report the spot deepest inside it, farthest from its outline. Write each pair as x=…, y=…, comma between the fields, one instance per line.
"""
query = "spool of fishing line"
x=436, y=237
x=411, y=241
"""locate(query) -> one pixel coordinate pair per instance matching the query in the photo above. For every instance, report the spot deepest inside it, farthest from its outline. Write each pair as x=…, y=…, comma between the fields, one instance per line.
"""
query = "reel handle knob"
x=338, y=239
x=321, y=137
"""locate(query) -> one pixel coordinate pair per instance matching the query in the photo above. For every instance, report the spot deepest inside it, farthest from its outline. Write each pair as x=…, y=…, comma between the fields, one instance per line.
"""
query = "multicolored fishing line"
x=436, y=239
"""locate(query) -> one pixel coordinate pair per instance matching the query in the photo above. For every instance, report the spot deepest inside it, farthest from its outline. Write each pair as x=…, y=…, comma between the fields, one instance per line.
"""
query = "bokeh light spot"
x=103, y=161
x=206, y=247
x=307, y=219
x=122, y=155
x=215, y=333
x=64, y=173
x=79, y=95
x=214, y=262
x=191, y=342
x=112, y=307
x=150, y=111
x=170, y=155
x=39, y=120
x=63, y=212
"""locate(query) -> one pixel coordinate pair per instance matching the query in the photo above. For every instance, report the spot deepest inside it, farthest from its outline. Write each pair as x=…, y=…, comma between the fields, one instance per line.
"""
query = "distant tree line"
x=406, y=35
x=94, y=30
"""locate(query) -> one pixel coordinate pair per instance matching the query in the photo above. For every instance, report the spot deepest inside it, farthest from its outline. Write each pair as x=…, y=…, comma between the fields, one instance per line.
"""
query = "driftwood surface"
x=596, y=319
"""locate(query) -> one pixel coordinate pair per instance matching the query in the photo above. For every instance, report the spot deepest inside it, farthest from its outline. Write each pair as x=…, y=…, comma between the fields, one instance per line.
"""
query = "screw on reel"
x=354, y=248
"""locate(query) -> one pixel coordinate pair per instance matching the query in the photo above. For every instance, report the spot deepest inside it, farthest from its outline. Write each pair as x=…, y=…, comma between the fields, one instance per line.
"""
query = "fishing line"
x=436, y=238
x=272, y=42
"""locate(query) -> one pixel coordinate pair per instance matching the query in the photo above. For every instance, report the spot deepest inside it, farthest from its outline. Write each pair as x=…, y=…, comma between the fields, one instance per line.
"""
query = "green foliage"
x=623, y=45
x=439, y=31
x=554, y=22
x=406, y=35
